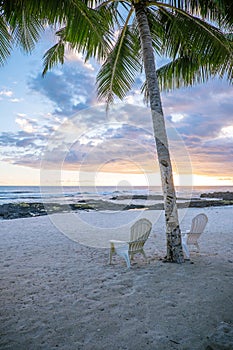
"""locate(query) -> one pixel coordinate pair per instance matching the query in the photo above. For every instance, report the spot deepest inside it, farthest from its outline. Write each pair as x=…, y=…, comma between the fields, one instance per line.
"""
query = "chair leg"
x=110, y=257
x=185, y=247
x=123, y=251
x=126, y=257
x=144, y=254
x=111, y=252
x=197, y=246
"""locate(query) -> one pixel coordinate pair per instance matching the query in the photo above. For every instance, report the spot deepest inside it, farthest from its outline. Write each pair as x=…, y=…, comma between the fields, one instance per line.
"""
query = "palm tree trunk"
x=173, y=234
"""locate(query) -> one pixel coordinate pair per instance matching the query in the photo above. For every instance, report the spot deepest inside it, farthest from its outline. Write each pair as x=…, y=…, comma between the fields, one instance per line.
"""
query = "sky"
x=53, y=129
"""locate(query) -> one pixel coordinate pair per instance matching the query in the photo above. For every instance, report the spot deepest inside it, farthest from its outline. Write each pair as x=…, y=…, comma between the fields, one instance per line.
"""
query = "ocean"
x=73, y=194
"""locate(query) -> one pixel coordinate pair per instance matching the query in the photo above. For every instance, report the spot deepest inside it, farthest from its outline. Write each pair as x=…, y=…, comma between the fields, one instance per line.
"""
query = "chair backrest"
x=199, y=223
x=140, y=230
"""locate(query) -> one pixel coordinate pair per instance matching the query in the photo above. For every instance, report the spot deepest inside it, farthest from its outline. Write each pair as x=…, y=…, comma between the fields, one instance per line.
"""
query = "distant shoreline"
x=29, y=209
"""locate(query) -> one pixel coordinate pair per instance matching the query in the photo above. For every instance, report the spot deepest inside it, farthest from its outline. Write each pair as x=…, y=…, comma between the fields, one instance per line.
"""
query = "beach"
x=59, y=291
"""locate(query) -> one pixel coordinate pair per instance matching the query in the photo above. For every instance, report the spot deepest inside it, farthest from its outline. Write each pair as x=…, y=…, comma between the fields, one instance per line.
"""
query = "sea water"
x=73, y=194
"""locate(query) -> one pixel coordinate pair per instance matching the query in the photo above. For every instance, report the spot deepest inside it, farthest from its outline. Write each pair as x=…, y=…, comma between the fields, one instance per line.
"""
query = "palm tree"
x=175, y=28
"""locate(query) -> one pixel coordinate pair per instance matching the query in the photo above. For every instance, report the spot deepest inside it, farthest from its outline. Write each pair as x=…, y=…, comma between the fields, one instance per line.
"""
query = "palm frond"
x=5, y=40
x=187, y=36
x=119, y=71
x=55, y=11
x=145, y=92
x=187, y=71
x=117, y=11
x=198, y=50
x=26, y=30
x=89, y=31
x=182, y=28
x=54, y=56
x=220, y=11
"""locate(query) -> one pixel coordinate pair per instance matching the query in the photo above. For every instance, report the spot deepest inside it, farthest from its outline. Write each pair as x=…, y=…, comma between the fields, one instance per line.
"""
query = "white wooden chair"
x=191, y=237
x=139, y=233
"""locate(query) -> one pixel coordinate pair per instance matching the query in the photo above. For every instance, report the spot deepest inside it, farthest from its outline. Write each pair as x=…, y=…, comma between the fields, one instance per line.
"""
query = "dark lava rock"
x=221, y=195
x=21, y=210
x=138, y=196
x=134, y=206
x=206, y=203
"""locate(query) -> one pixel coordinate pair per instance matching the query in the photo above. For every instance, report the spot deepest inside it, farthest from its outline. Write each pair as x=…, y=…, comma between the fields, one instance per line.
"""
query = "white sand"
x=57, y=293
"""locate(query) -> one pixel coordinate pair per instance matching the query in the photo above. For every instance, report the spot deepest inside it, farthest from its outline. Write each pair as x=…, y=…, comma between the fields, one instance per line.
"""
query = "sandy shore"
x=58, y=290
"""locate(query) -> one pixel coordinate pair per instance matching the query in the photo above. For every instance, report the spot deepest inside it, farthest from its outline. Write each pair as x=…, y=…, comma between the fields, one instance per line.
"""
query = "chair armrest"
x=185, y=233
x=118, y=242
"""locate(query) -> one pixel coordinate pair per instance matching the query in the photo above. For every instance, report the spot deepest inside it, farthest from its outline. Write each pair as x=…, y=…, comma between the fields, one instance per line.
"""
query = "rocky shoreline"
x=27, y=209
x=220, y=195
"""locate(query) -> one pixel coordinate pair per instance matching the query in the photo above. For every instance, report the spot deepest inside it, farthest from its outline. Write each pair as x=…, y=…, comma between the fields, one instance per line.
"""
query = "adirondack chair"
x=191, y=237
x=139, y=234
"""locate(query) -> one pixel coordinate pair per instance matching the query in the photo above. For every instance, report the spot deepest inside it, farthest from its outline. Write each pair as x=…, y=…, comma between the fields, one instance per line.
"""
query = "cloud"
x=122, y=139
x=73, y=135
x=206, y=126
x=70, y=89
x=16, y=100
x=21, y=114
x=75, y=56
x=25, y=146
x=7, y=93
x=209, y=103
x=116, y=143
x=226, y=132
x=27, y=125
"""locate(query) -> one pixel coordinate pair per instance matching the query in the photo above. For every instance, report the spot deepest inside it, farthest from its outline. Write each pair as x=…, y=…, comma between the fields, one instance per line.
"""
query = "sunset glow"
x=56, y=122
